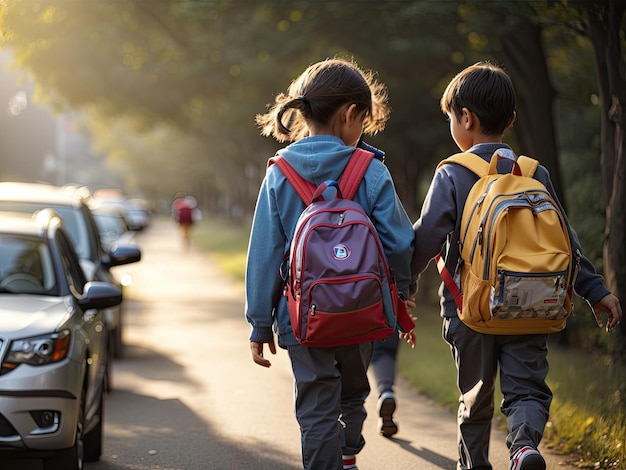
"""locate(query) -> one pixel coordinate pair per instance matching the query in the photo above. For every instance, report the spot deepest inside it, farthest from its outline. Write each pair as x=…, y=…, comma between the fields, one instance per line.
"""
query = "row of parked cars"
x=60, y=322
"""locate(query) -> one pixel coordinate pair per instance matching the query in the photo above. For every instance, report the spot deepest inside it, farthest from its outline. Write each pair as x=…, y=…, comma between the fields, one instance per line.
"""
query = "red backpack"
x=339, y=287
x=185, y=216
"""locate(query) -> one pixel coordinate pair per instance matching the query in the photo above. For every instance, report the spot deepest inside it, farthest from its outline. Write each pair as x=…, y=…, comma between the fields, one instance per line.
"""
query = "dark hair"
x=317, y=94
x=487, y=91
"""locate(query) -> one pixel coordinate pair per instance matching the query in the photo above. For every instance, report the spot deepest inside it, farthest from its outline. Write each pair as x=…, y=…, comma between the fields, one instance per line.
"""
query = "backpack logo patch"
x=341, y=252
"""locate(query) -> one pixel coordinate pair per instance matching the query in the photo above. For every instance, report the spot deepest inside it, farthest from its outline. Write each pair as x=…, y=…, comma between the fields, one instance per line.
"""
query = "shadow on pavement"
x=426, y=454
x=151, y=433
x=151, y=440
x=151, y=365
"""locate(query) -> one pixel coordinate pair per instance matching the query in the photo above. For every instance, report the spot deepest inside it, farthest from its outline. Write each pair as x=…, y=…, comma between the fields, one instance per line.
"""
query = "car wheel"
x=93, y=439
x=72, y=458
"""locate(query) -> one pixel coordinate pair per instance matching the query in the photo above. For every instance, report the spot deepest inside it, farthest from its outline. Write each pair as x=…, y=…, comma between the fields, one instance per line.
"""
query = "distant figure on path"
x=183, y=212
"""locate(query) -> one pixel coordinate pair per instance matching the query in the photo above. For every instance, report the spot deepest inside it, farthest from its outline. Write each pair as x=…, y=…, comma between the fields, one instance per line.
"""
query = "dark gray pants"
x=331, y=386
x=523, y=365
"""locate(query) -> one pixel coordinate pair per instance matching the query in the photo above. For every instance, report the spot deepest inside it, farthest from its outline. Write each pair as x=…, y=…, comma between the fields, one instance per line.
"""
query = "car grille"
x=6, y=429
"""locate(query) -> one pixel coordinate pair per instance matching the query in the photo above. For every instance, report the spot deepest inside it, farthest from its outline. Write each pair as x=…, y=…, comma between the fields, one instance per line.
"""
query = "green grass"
x=225, y=242
x=588, y=415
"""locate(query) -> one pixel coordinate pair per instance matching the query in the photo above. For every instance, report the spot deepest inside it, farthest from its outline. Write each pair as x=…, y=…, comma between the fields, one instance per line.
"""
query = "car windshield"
x=25, y=266
x=73, y=223
x=110, y=223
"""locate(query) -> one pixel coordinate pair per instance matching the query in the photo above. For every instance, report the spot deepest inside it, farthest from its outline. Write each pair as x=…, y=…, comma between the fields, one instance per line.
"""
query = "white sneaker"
x=527, y=458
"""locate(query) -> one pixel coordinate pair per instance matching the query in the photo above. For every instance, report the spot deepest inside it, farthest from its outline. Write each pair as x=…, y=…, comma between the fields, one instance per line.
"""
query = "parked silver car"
x=53, y=345
x=112, y=225
x=71, y=203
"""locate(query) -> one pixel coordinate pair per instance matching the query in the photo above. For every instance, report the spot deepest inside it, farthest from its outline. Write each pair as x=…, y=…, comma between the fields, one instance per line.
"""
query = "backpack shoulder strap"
x=304, y=188
x=449, y=282
x=527, y=165
x=354, y=172
x=479, y=167
x=470, y=161
x=350, y=179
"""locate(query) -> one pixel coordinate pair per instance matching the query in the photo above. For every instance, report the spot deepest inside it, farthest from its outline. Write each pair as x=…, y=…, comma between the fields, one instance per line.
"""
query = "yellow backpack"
x=516, y=265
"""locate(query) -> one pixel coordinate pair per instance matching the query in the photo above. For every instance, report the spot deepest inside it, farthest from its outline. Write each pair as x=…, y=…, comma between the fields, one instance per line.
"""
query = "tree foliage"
x=192, y=66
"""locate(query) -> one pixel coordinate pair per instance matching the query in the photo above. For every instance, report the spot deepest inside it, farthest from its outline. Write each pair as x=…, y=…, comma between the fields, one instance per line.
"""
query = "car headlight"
x=38, y=350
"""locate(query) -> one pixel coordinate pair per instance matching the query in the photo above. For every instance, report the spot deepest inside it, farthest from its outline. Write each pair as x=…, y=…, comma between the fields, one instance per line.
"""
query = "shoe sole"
x=388, y=427
x=533, y=462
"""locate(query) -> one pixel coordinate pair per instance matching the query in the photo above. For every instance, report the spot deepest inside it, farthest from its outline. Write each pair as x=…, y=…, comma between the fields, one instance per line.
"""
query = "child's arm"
x=405, y=321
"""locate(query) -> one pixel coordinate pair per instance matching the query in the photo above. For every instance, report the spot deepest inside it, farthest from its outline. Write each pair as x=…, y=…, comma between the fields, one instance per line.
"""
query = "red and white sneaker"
x=527, y=458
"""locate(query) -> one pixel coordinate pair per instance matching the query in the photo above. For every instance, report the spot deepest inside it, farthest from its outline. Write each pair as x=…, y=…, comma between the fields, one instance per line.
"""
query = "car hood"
x=23, y=315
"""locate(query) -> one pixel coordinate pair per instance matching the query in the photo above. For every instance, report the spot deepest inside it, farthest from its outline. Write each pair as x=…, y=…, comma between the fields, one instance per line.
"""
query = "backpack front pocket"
x=344, y=307
x=344, y=293
x=529, y=295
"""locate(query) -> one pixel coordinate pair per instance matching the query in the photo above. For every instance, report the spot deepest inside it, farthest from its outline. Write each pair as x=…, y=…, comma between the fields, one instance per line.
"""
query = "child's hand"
x=611, y=306
x=409, y=338
x=257, y=353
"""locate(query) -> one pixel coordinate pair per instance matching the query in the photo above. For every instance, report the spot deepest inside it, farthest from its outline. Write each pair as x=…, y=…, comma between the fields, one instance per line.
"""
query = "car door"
x=91, y=322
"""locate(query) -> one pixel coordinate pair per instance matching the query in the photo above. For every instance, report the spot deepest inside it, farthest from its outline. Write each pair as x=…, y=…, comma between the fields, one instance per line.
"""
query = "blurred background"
x=158, y=98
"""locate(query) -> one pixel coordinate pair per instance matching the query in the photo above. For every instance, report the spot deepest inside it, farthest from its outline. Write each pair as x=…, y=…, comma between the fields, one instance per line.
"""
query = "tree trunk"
x=523, y=56
x=603, y=30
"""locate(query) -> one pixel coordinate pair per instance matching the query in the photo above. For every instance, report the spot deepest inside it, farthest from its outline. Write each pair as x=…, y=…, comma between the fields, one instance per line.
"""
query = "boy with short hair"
x=480, y=104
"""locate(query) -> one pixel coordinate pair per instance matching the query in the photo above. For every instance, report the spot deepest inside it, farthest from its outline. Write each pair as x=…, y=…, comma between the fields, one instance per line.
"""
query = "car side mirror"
x=98, y=295
x=123, y=254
